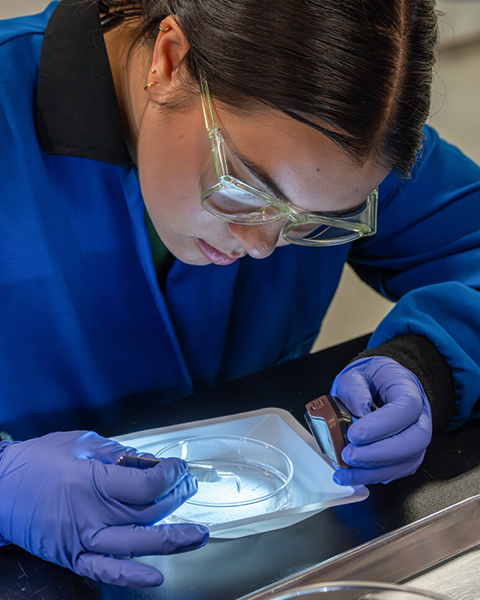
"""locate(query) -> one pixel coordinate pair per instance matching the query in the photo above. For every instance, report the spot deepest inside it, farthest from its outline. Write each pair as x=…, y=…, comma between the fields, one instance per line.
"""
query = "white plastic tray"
x=313, y=489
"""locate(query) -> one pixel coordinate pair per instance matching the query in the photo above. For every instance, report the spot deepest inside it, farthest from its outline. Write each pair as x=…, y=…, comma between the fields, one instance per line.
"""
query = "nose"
x=258, y=240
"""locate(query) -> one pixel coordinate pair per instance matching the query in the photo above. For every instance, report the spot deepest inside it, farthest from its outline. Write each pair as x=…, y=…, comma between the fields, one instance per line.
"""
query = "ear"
x=170, y=48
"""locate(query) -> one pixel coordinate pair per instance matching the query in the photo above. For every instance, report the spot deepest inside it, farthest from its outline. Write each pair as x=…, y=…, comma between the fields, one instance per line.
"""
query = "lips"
x=214, y=255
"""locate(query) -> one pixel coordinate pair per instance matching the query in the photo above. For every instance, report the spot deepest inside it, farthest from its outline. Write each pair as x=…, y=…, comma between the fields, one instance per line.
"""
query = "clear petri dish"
x=238, y=478
x=358, y=590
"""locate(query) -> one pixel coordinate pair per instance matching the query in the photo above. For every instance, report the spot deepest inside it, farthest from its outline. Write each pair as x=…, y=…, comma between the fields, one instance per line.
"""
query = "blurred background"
x=357, y=309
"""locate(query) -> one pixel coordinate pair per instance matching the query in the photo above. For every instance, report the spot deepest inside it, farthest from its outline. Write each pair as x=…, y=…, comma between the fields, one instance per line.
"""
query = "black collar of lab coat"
x=77, y=108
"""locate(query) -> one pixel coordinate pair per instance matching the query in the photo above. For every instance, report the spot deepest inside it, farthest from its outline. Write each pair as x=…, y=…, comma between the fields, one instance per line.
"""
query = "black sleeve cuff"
x=421, y=357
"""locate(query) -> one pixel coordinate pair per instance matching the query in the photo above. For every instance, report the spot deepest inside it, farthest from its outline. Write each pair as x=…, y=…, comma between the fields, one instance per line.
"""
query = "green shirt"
x=162, y=257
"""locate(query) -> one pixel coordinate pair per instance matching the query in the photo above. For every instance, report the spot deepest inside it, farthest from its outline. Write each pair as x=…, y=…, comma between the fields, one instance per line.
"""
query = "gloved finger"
x=88, y=444
x=353, y=390
x=84, y=445
x=139, y=486
x=389, y=381
x=132, y=540
x=358, y=476
x=389, y=451
x=110, y=451
x=117, y=571
x=144, y=454
x=103, y=449
x=401, y=388
x=149, y=514
x=388, y=420
x=378, y=381
x=116, y=453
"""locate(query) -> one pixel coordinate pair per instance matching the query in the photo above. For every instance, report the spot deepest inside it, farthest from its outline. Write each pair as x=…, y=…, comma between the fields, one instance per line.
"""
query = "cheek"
x=169, y=165
x=168, y=175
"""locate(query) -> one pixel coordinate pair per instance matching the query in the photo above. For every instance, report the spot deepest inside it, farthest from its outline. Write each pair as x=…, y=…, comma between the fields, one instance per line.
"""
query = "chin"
x=201, y=262
x=187, y=252
x=191, y=258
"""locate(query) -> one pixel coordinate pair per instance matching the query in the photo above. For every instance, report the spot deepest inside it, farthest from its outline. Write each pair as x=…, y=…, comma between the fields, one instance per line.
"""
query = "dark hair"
x=359, y=71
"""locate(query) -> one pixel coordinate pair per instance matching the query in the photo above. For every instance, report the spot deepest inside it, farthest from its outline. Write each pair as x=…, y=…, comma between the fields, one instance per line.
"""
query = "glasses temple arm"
x=214, y=133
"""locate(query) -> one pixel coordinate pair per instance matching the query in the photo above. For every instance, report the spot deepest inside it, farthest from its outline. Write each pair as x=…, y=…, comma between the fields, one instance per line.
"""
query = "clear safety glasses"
x=230, y=191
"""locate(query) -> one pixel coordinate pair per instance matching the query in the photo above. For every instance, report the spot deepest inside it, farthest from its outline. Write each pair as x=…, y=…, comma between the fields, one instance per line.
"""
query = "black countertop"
x=229, y=569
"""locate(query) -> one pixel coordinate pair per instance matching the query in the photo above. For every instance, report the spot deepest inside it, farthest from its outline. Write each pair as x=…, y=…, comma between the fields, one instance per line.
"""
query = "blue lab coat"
x=83, y=321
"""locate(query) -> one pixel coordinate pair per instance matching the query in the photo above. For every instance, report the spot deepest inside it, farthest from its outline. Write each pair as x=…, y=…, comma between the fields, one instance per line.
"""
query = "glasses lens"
x=331, y=232
x=234, y=201
x=314, y=234
x=236, y=206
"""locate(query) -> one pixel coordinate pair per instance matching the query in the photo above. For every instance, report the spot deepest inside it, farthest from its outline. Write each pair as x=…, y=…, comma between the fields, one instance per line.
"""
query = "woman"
x=289, y=117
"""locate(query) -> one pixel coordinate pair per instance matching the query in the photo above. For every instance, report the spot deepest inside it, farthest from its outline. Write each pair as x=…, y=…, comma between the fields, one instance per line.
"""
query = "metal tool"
x=328, y=420
x=204, y=472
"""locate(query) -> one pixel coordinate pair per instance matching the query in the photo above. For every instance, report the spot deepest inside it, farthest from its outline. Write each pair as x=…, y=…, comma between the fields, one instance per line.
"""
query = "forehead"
x=309, y=168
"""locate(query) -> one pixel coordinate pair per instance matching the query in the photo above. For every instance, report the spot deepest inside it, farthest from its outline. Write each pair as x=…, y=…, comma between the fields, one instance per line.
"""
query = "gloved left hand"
x=390, y=442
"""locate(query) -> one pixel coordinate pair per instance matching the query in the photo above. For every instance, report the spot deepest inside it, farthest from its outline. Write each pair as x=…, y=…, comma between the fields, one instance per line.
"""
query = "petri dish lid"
x=249, y=471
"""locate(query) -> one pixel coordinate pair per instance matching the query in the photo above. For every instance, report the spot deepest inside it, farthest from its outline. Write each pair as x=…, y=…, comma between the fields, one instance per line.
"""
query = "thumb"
x=351, y=387
x=117, y=571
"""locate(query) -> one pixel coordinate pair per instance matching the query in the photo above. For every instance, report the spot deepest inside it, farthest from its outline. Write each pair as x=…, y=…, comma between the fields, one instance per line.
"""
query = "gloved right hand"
x=390, y=442
x=64, y=499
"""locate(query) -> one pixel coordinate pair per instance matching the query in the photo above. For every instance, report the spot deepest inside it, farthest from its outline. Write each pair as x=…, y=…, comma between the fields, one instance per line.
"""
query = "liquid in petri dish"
x=223, y=501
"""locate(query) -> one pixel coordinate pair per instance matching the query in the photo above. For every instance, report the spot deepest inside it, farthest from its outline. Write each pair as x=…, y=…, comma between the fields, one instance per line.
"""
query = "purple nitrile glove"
x=64, y=499
x=388, y=443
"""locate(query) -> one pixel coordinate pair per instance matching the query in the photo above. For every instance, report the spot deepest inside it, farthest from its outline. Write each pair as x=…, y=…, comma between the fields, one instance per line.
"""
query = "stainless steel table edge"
x=398, y=555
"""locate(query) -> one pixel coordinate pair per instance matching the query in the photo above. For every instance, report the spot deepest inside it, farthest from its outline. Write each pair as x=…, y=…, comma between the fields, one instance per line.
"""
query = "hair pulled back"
x=360, y=71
